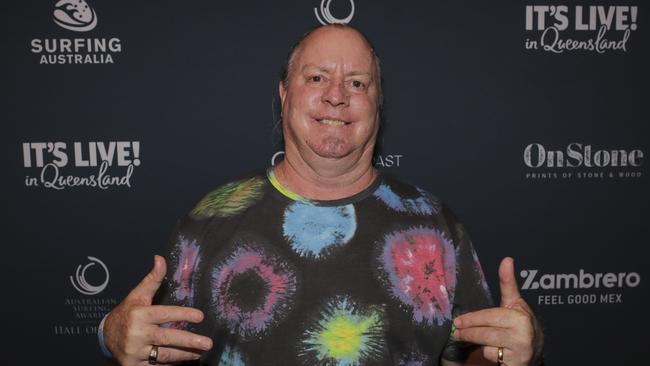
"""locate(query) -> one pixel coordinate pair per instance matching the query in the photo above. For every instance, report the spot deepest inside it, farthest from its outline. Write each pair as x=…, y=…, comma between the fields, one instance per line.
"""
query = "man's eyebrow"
x=312, y=66
x=325, y=69
x=359, y=73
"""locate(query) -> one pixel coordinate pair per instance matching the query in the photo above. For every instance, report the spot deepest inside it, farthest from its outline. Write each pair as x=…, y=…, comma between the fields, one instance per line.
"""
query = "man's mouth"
x=332, y=122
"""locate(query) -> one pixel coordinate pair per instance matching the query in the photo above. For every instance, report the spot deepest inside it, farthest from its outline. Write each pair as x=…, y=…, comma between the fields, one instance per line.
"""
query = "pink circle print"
x=421, y=268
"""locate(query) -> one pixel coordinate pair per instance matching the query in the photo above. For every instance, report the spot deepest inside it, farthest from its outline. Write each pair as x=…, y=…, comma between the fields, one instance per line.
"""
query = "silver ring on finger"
x=153, y=355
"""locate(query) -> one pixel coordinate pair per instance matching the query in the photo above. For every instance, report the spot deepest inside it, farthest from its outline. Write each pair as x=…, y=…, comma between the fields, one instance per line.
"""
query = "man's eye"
x=357, y=84
x=315, y=78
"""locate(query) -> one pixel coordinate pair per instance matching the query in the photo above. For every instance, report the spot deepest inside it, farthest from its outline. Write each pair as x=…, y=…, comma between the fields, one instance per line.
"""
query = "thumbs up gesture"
x=511, y=326
x=133, y=328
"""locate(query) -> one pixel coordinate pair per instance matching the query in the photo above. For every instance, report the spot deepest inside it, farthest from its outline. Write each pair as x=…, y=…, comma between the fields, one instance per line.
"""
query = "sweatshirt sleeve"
x=472, y=292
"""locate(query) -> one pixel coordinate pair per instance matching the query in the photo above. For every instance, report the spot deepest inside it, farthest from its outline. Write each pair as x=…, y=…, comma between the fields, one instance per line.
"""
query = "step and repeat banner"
x=530, y=119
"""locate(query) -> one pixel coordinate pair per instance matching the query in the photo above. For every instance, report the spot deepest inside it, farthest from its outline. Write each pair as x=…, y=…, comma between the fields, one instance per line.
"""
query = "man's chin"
x=331, y=149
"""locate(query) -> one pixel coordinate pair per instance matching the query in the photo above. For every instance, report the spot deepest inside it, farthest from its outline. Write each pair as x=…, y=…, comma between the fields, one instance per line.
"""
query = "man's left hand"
x=512, y=326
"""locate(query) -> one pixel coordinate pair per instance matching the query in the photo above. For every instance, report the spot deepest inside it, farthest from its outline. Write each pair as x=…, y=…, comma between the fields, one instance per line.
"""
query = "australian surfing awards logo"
x=79, y=17
x=594, y=28
x=87, y=310
x=325, y=16
x=82, y=285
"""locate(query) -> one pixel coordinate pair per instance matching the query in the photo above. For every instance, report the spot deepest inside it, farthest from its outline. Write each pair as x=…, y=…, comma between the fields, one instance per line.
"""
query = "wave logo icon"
x=75, y=15
x=79, y=279
x=328, y=18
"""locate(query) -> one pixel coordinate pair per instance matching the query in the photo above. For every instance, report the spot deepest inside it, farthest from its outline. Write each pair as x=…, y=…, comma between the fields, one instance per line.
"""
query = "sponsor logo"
x=388, y=161
x=86, y=311
x=582, y=279
x=69, y=330
x=64, y=165
x=81, y=284
x=595, y=28
x=534, y=281
x=381, y=161
x=325, y=17
x=76, y=16
x=580, y=161
x=278, y=155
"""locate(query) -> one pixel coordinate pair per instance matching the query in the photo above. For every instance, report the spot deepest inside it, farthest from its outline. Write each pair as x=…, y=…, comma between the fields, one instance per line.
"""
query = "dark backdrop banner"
x=530, y=119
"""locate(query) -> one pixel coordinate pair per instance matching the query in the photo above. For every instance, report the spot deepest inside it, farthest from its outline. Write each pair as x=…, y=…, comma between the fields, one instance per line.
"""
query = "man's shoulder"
x=404, y=187
x=402, y=195
x=231, y=198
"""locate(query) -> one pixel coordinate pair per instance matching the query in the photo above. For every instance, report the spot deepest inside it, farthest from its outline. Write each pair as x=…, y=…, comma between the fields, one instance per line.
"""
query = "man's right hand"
x=133, y=327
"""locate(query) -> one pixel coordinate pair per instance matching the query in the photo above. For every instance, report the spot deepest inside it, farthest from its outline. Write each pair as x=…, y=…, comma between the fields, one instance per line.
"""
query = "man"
x=325, y=260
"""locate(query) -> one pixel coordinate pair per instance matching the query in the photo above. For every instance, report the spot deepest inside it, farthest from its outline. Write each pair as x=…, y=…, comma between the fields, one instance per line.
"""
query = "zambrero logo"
x=79, y=279
x=326, y=16
x=580, y=280
x=75, y=15
x=602, y=288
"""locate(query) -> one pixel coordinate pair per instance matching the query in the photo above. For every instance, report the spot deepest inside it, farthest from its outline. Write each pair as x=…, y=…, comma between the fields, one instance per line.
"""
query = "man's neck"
x=324, y=182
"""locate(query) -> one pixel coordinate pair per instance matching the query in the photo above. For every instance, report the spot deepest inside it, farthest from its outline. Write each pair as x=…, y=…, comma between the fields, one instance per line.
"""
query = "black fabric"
x=374, y=279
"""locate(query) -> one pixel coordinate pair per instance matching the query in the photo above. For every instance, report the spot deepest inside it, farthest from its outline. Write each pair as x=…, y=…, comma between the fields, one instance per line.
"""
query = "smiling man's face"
x=330, y=104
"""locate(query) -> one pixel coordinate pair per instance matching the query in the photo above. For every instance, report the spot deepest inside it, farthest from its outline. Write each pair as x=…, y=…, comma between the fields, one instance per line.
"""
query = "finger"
x=492, y=317
x=146, y=289
x=485, y=336
x=492, y=354
x=159, y=314
x=177, y=338
x=508, y=283
x=167, y=355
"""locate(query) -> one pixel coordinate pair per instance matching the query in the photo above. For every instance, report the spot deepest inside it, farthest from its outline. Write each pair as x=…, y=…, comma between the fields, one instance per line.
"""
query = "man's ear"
x=282, y=91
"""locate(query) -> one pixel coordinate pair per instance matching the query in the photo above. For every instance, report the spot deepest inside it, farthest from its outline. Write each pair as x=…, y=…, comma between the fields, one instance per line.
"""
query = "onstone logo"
x=579, y=161
x=75, y=15
x=79, y=280
x=580, y=280
x=326, y=16
x=577, y=155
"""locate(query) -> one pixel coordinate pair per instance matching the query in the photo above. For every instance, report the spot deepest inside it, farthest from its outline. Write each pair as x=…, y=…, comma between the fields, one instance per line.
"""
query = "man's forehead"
x=327, y=46
x=338, y=32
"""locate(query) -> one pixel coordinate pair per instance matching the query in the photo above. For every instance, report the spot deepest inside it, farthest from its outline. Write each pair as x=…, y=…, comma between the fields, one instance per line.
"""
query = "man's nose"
x=336, y=94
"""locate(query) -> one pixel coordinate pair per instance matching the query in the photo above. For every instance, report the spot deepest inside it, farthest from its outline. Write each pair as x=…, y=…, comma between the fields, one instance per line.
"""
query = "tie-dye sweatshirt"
x=373, y=279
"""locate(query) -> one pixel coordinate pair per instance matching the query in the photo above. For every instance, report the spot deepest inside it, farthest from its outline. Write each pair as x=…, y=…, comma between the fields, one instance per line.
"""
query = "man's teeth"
x=332, y=122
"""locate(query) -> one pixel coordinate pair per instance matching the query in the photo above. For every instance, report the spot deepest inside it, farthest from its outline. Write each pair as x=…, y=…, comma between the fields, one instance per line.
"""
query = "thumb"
x=508, y=283
x=146, y=289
